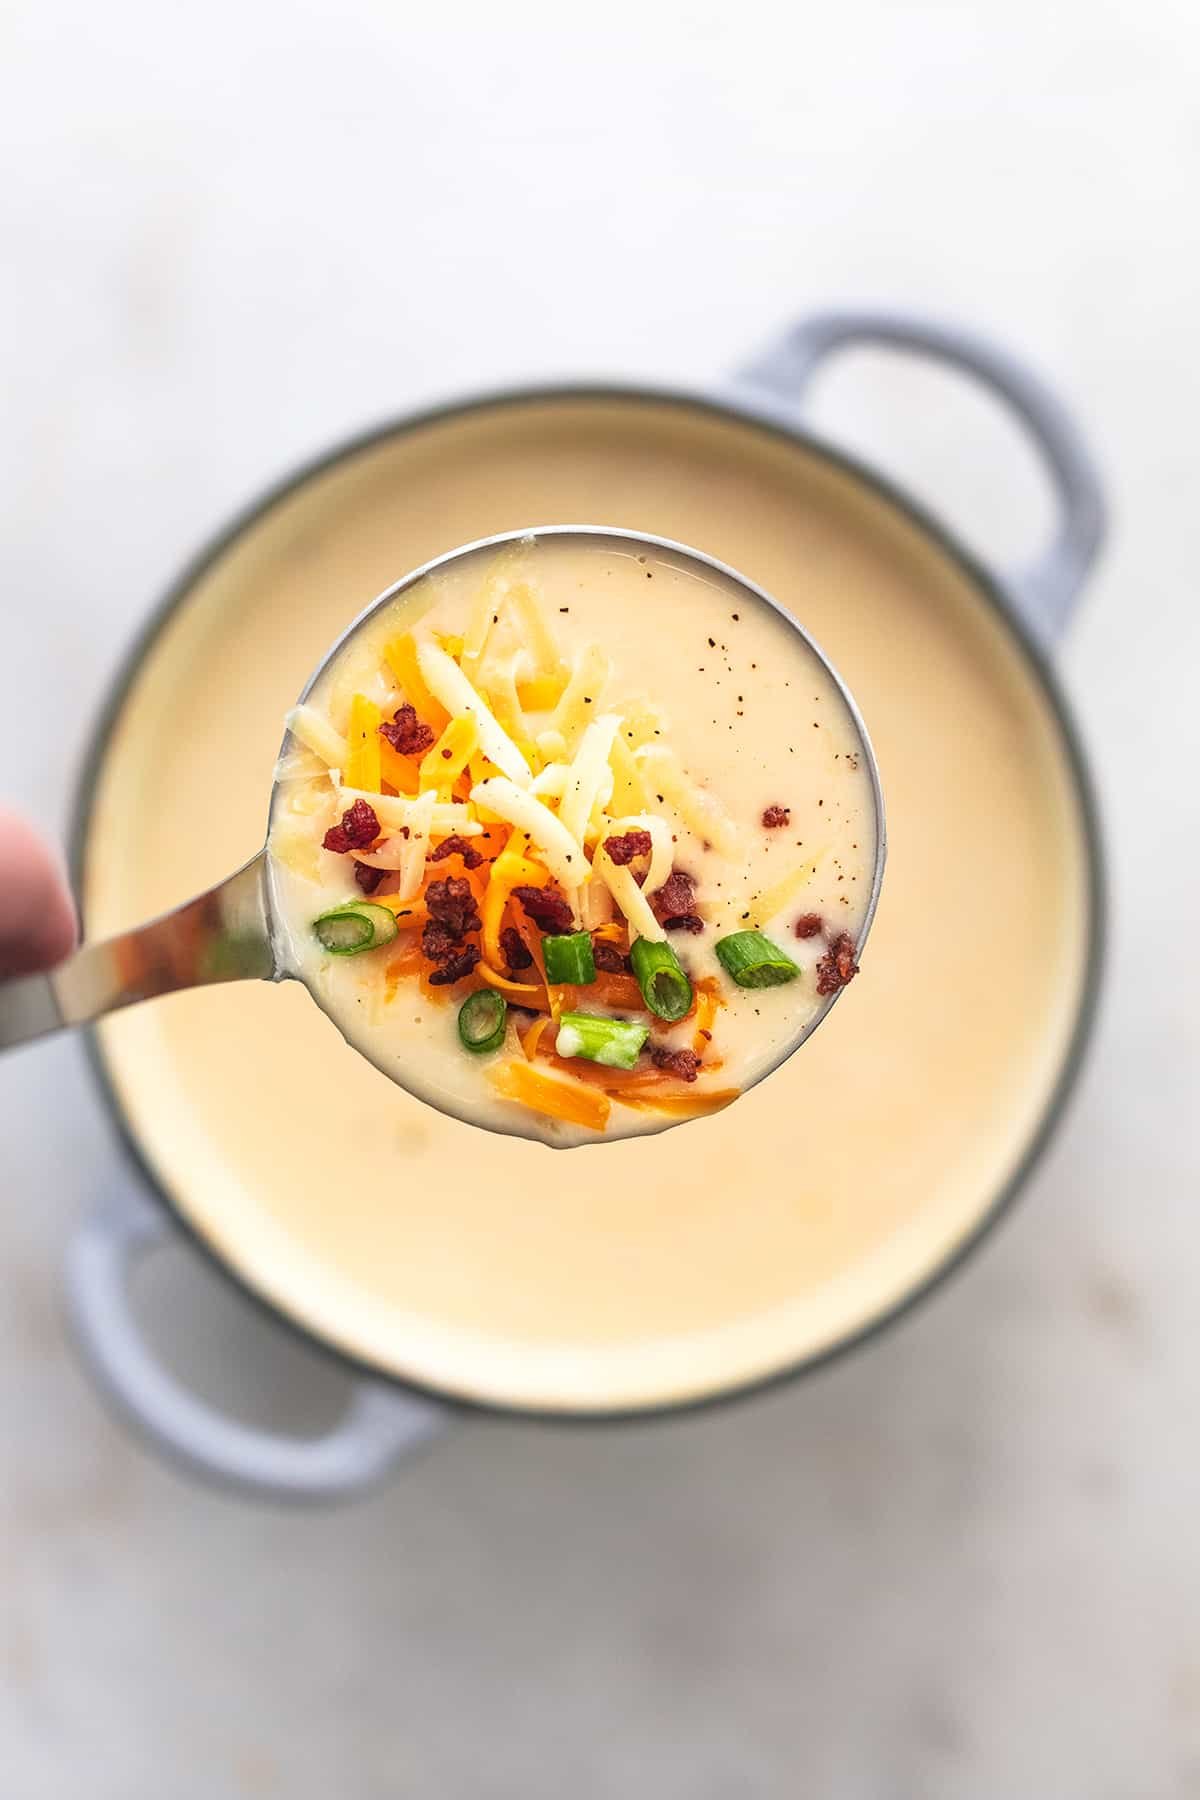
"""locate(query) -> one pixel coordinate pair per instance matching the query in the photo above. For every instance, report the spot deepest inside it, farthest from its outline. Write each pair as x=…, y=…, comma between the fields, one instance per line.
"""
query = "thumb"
x=37, y=919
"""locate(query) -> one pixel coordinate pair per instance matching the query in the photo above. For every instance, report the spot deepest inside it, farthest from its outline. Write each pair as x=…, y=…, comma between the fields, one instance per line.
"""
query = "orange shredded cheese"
x=549, y=1095
x=401, y=655
x=363, y=744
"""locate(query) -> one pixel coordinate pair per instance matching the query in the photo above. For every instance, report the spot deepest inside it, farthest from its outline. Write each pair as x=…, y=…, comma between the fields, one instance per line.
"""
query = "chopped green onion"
x=569, y=958
x=665, y=988
x=359, y=925
x=754, y=961
x=481, y=1020
x=617, y=1043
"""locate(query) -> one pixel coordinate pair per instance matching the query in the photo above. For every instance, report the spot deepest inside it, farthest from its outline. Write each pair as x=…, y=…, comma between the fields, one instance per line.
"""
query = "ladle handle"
x=381, y=1424
x=223, y=935
x=1045, y=589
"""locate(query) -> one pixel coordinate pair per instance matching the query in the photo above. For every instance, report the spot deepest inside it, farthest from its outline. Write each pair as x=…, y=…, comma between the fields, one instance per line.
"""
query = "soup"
x=527, y=779
x=669, y=1267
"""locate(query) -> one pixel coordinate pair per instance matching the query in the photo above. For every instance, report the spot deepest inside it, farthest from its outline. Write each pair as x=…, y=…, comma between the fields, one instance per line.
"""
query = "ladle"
x=229, y=933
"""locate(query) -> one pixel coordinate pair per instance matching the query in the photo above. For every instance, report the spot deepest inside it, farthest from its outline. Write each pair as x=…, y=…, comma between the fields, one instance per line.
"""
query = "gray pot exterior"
x=384, y=1421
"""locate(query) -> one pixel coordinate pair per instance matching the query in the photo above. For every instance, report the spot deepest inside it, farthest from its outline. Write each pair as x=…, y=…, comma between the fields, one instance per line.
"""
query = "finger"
x=37, y=918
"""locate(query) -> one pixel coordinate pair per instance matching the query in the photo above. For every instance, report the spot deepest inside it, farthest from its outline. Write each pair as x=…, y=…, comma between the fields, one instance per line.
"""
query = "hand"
x=37, y=919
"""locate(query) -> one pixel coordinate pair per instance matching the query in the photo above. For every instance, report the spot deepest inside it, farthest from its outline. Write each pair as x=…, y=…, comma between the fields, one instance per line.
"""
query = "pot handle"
x=1046, y=589
x=380, y=1426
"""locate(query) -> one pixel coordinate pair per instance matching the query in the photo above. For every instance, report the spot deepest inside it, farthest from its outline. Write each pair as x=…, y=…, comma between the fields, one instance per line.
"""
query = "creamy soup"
x=669, y=1267
x=574, y=838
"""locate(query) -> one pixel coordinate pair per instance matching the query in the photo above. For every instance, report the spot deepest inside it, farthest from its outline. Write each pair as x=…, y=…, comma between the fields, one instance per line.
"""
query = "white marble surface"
x=963, y=1563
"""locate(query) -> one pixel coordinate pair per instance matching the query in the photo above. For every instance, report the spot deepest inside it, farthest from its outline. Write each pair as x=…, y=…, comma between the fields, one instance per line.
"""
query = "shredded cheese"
x=448, y=684
x=697, y=808
x=395, y=811
x=445, y=761
x=582, y=692
x=401, y=654
x=552, y=782
x=562, y=854
x=629, y=897
x=628, y=792
x=532, y=628
x=313, y=730
x=587, y=773
x=548, y=1094
x=771, y=901
x=363, y=742
x=416, y=845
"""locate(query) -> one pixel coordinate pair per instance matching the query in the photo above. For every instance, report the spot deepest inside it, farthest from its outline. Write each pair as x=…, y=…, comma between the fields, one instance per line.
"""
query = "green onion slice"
x=359, y=925
x=754, y=961
x=617, y=1043
x=665, y=988
x=569, y=958
x=481, y=1020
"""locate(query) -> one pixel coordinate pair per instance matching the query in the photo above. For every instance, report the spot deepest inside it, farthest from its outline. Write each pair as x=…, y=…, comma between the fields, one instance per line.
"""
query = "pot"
x=414, y=1373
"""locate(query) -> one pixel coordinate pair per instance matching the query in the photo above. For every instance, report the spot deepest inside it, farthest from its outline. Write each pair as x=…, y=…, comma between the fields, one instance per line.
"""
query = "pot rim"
x=738, y=404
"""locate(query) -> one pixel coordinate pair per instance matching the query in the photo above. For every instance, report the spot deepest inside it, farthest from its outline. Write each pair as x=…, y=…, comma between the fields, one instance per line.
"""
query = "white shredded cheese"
x=313, y=730
x=697, y=808
x=582, y=692
x=628, y=896
x=552, y=781
x=447, y=683
x=416, y=845
x=394, y=811
x=562, y=854
x=587, y=774
x=535, y=632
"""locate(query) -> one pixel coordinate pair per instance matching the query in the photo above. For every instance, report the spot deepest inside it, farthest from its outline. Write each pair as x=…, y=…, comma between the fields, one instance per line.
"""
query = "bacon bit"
x=368, y=878
x=624, y=848
x=775, y=816
x=837, y=968
x=455, y=967
x=684, y=1063
x=685, y=922
x=452, y=903
x=548, y=910
x=516, y=956
x=358, y=830
x=456, y=846
x=674, y=904
x=609, y=958
x=809, y=926
x=438, y=941
x=406, y=733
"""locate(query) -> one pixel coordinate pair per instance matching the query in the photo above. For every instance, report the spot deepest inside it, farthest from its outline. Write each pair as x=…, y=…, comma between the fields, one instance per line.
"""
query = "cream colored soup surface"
x=669, y=1267
x=742, y=703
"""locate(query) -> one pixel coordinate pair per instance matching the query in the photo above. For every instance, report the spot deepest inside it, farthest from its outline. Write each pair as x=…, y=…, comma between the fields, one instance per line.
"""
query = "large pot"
x=187, y=1140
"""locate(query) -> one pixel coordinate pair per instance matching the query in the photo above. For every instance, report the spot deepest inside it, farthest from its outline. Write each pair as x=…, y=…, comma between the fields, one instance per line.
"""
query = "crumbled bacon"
x=837, y=967
x=674, y=903
x=623, y=848
x=368, y=878
x=516, y=955
x=548, y=910
x=451, y=903
x=405, y=732
x=358, y=830
x=608, y=957
x=438, y=941
x=684, y=1063
x=684, y=922
x=456, y=846
x=775, y=816
x=455, y=967
x=809, y=925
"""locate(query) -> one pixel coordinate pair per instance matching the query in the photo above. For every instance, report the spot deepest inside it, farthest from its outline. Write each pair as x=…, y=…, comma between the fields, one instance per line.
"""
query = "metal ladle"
x=230, y=933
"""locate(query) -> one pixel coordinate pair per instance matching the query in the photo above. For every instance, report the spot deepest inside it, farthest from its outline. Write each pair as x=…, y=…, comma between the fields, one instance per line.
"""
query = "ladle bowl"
x=234, y=932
